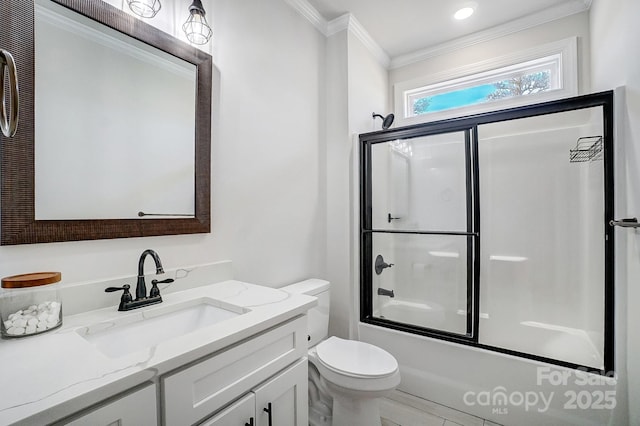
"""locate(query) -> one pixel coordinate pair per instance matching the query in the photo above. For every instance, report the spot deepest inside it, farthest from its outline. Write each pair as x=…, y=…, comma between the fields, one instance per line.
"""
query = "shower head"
x=386, y=121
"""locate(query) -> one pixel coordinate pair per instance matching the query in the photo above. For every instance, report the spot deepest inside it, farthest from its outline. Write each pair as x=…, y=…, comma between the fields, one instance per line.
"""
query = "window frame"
x=564, y=52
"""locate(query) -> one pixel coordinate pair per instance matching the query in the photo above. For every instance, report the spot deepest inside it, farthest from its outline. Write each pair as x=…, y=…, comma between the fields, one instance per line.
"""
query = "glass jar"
x=30, y=304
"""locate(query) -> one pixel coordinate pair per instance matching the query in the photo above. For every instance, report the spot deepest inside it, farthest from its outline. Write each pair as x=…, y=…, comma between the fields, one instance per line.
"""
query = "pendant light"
x=197, y=28
x=145, y=8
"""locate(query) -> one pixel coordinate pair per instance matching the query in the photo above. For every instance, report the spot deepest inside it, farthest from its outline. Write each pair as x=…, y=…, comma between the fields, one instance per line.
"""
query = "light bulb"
x=463, y=13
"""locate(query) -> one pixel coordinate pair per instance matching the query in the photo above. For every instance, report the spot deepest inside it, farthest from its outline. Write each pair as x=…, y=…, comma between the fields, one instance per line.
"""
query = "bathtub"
x=473, y=380
x=411, y=312
x=546, y=340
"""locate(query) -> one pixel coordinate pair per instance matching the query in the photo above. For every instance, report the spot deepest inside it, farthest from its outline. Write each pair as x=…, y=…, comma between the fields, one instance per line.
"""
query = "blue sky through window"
x=470, y=96
x=476, y=92
x=523, y=85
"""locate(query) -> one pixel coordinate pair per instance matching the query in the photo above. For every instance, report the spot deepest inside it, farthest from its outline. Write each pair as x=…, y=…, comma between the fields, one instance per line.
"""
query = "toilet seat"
x=340, y=367
x=356, y=359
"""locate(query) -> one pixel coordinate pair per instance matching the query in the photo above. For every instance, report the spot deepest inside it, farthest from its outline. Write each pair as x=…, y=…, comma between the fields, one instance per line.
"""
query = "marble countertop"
x=52, y=375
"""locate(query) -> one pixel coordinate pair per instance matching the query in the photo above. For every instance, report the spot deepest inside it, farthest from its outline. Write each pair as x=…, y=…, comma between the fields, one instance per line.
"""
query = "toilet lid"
x=353, y=358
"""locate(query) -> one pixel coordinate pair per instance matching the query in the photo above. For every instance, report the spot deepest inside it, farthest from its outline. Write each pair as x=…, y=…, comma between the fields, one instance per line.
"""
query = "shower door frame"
x=469, y=125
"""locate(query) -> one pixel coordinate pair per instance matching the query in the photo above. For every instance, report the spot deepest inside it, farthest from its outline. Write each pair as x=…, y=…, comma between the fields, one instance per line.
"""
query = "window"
x=518, y=80
x=541, y=74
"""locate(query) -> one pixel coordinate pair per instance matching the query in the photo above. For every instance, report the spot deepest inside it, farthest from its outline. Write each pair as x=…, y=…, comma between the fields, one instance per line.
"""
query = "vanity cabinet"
x=137, y=408
x=281, y=401
x=271, y=367
x=229, y=387
x=240, y=413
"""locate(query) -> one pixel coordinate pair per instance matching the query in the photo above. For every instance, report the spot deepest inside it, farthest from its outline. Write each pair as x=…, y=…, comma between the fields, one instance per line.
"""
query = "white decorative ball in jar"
x=30, y=304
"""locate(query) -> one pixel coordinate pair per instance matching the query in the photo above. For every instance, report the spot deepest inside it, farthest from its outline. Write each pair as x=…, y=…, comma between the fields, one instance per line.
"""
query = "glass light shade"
x=197, y=28
x=145, y=8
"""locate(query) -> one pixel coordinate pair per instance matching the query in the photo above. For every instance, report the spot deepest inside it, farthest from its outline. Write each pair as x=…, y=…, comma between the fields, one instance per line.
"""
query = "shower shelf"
x=588, y=148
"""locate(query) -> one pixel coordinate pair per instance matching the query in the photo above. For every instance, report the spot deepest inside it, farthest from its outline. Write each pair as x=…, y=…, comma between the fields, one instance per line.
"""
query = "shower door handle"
x=390, y=218
x=625, y=223
x=9, y=122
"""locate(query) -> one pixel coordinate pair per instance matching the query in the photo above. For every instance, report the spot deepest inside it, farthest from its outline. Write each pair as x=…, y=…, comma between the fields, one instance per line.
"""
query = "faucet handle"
x=167, y=281
x=126, y=296
x=155, y=291
x=125, y=287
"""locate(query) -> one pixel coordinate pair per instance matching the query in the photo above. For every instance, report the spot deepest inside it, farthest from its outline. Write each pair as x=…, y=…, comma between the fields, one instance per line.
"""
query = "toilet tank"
x=318, y=317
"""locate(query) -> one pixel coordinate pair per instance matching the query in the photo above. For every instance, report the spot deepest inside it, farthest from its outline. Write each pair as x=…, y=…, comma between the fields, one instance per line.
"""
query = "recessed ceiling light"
x=463, y=13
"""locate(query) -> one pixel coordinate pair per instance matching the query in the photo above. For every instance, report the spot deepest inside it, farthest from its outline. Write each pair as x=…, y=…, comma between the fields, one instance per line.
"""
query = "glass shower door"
x=542, y=212
x=495, y=231
x=421, y=232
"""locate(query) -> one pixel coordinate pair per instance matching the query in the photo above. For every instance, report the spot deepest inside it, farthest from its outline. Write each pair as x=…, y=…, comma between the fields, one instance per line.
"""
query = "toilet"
x=346, y=377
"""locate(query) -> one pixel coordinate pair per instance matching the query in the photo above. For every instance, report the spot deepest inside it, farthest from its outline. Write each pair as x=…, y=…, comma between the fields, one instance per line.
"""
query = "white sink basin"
x=145, y=329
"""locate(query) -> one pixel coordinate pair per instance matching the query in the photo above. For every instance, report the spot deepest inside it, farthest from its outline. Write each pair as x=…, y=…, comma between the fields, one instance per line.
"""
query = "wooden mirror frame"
x=17, y=163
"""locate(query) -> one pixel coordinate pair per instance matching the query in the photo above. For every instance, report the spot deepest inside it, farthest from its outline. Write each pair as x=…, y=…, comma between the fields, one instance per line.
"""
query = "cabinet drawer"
x=198, y=391
x=134, y=409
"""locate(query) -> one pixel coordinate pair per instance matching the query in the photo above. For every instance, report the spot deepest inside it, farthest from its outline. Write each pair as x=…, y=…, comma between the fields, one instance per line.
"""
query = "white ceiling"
x=405, y=26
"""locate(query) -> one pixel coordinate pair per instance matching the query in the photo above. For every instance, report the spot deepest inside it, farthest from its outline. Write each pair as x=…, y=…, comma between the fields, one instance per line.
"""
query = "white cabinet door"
x=241, y=413
x=135, y=409
x=194, y=393
x=282, y=401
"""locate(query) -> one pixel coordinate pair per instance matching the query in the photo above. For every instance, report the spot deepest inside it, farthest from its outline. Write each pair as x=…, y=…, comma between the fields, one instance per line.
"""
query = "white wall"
x=268, y=161
x=267, y=193
x=574, y=25
x=337, y=154
x=615, y=33
x=357, y=85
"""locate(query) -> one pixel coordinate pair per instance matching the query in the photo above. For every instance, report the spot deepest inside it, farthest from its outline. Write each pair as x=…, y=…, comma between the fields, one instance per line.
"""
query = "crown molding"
x=304, y=8
x=547, y=15
x=341, y=23
x=350, y=23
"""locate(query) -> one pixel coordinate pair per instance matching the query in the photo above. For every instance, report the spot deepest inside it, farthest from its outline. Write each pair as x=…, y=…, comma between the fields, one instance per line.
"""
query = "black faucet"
x=141, y=285
x=385, y=292
x=126, y=301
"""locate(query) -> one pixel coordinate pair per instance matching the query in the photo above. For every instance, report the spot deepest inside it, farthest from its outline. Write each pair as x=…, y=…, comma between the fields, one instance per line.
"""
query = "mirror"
x=118, y=142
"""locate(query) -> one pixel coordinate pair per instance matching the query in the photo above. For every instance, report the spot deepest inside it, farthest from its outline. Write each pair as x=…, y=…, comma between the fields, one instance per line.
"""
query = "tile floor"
x=402, y=409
